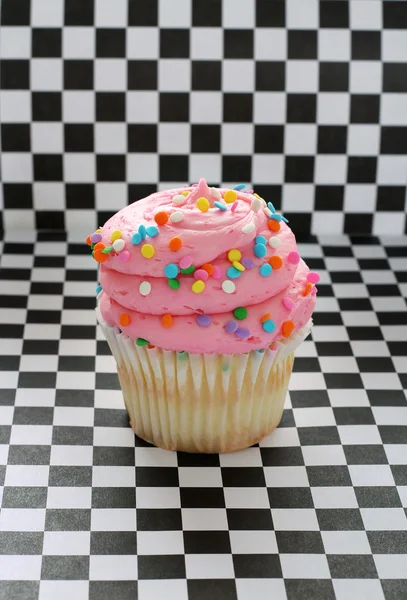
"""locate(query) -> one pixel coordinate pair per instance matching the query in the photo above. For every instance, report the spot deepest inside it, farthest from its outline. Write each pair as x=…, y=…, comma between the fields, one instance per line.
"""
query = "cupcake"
x=203, y=299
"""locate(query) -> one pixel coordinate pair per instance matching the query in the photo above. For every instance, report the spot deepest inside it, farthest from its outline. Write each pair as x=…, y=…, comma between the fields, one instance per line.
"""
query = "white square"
x=142, y=168
x=365, y=14
x=203, y=519
x=78, y=107
x=81, y=381
x=381, y=381
x=334, y=497
x=357, y=398
x=209, y=566
x=360, y=198
x=143, y=42
x=268, y=168
x=160, y=589
x=158, y=497
x=113, y=477
x=46, y=74
x=366, y=589
x=248, y=589
x=66, y=543
x=329, y=222
x=300, y=139
x=80, y=220
x=200, y=49
x=160, y=542
x=30, y=434
x=388, y=223
x=47, y=14
x=330, y=169
x=333, y=108
x=206, y=107
x=110, y=138
x=304, y=566
x=16, y=167
x=109, y=196
x=240, y=17
x=286, y=476
x=363, y=140
x=15, y=107
x=110, y=74
x=113, y=519
x=22, y=519
x=384, y=519
x=174, y=75
x=302, y=14
x=250, y=457
x=15, y=42
x=392, y=170
x=237, y=138
x=346, y=542
x=237, y=75
x=47, y=138
x=64, y=590
x=295, y=519
x=202, y=477
x=359, y=434
x=79, y=168
x=322, y=416
x=365, y=77
x=371, y=475
x=113, y=436
x=72, y=416
x=395, y=415
x=21, y=569
x=174, y=14
x=238, y=497
x=174, y=138
x=394, y=45
x=142, y=107
x=334, y=45
x=113, y=568
x=48, y=195
x=323, y=455
x=391, y=566
x=270, y=44
x=111, y=14
x=302, y=76
x=205, y=165
x=270, y=107
x=26, y=475
x=393, y=109
x=307, y=381
x=253, y=542
x=78, y=42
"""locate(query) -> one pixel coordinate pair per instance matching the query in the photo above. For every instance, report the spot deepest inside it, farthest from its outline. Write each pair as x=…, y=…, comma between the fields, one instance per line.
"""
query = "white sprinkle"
x=177, y=216
x=118, y=245
x=216, y=193
x=267, y=211
x=274, y=242
x=145, y=288
x=248, y=228
x=179, y=199
x=228, y=286
x=256, y=204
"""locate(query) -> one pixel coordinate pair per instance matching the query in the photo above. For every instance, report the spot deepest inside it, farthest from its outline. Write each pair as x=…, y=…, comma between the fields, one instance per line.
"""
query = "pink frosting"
x=206, y=237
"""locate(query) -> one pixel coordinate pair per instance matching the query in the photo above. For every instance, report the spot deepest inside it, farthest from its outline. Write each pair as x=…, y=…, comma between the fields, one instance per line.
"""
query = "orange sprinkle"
x=161, y=218
x=150, y=346
x=208, y=268
x=175, y=244
x=166, y=320
x=98, y=246
x=273, y=225
x=124, y=319
x=88, y=241
x=307, y=289
x=287, y=329
x=276, y=262
x=99, y=257
x=265, y=317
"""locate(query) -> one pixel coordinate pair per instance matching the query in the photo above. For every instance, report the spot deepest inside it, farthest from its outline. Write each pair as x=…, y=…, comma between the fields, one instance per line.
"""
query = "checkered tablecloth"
x=316, y=511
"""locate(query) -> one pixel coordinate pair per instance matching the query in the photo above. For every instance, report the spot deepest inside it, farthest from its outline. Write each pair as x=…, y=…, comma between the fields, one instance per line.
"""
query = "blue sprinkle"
x=260, y=239
x=276, y=217
x=239, y=186
x=284, y=219
x=171, y=271
x=260, y=250
x=233, y=273
x=98, y=289
x=152, y=231
x=142, y=231
x=136, y=239
x=271, y=207
x=261, y=351
x=220, y=205
x=269, y=326
x=266, y=270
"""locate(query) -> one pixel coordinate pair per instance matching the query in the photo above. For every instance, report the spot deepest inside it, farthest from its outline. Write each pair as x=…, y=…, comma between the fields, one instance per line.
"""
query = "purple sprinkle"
x=95, y=238
x=247, y=263
x=231, y=327
x=242, y=333
x=204, y=320
x=234, y=206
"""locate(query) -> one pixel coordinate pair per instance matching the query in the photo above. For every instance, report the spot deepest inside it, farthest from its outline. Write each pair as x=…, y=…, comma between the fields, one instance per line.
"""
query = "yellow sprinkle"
x=98, y=230
x=147, y=250
x=198, y=287
x=257, y=196
x=203, y=204
x=230, y=196
x=238, y=265
x=116, y=234
x=234, y=255
x=185, y=193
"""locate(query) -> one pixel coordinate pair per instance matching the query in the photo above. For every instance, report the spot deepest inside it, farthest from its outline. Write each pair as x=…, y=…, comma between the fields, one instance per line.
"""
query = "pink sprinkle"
x=313, y=277
x=293, y=258
x=314, y=291
x=194, y=185
x=288, y=303
x=234, y=206
x=185, y=262
x=217, y=272
x=249, y=191
x=124, y=256
x=201, y=274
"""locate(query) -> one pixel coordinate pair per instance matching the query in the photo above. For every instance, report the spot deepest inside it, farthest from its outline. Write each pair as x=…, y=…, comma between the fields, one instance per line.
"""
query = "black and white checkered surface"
x=102, y=100
x=317, y=511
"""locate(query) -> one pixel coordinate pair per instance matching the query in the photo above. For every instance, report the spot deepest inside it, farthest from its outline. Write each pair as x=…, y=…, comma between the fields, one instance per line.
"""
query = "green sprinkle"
x=174, y=283
x=92, y=246
x=225, y=368
x=142, y=342
x=182, y=355
x=240, y=313
x=188, y=271
x=107, y=250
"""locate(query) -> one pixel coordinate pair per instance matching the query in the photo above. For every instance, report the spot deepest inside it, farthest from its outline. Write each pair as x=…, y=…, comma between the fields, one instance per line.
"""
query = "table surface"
x=317, y=510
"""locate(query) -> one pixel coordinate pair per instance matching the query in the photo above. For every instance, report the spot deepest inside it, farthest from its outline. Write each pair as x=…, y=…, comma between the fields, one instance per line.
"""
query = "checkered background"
x=104, y=100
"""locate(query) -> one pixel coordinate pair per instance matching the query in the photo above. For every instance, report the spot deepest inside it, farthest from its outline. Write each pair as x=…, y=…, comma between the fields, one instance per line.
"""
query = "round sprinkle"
x=185, y=193
x=216, y=193
x=136, y=239
x=188, y=271
x=273, y=225
x=240, y=313
x=208, y=268
x=269, y=326
x=161, y=218
x=152, y=231
x=293, y=258
x=220, y=205
x=231, y=326
x=313, y=277
x=307, y=289
x=145, y=288
x=95, y=238
x=203, y=204
x=142, y=342
x=266, y=270
x=118, y=245
x=256, y=205
x=201, y=274
x=234, y=255
x=260, y=239
x=175, y=244
x=265, y=317
x=230, y=196
x=232, y=273
x=166, y=320
x=178, y=200
x=228, y=286
x=198, y=287
x=276, y=262
x=174, y=284
x=238, y=266
x=142, y=231
x=99, y=257
x=124, y=319
x=148, y=251
x=260, y=250
x=248, y=228
x=288, y=303
x=234, y=206
x=177, y=216
x=239, y=186
x=217, y=272
x=287, y=328
x=171, y=271
x=98, y=246
x=242, y=333
x=247, y=263
x=314, y=291
x=204, y=320
x=88, y=241
x=185, y=262
x=124, y=256
x=116, y=234
x=274, y=242
x=98, y=289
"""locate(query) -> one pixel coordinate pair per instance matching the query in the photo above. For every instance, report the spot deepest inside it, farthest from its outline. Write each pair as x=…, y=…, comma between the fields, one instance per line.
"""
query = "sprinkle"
x=276, y=262
x=240, y=313
x=248, y=228
x=161, y=218
x=230, y=196
x=183, y=355
x=288, y=303
x=234, y=254
x=313, y=277
x=276, y=217
x=175, y=244
x=116, y=234
x=174, y=284
x=95, y=238
x=217, y=272
x=228, y=286
x=260, y=250
x=178, y=199
x=204, y=320
x=232, y=273
x=171, y=270
x=271, y=207
x=98, y=246
x=98, y=289
x=220, y=205
x=142, y=342
x=152, y=231
x=274, y=242
x=201, y=274
x=260, y=239
x=185, y=262
x=216, y=193
x=314, y=291
x=269, y=326
x=284, y=219
x=266, y=270
x=99, y=257
x=267, y=211
x=231, y=326
x=144, y=288
x=142, y=231
x=239, y=186
x=287, y=328
x=208, y=267
x=136, y=239
x=266, y=317
x=88, y=241
x=177, y=216
x=238, y=266
x=203, y=204
x=109, y=248
x=118, y=245
x=256, y=205
x=234, y=206
x=247, y=263
x=188, y=270
x=124, y=319
x=307, y=289
x=198, y=287
x=166, y=320
x=273, y=225
x=148, y=251
x=124, y=256
x=242, y=333
x=259, y=197
x=293, y=258
x=185, y=193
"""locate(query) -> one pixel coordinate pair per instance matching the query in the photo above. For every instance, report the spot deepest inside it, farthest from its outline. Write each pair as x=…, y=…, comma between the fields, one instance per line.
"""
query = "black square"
x=62, y=476
x=236, y=168
x=78, y=74
x=207, y=542
x=106, y=590
x=18, y=195
x=279, y=457
x=48, y=167
x=46, y=42
x=301, y=108
x=394, y=77
x=332, y=139
x=205, y=138
x=269, y=139
x=378, y=496
x=143, y=13
x=366, y=45
x=299, y=589
x=142, y=75
x=207, y=13
x=142, y=138
x=243, y=477
x=390, y=198
x=48, y=219
x=111, y=43
x=174, y=43
x=237, y=108
x=270, y=14
x=270, y=76
x=286, y=497
x=15, y=137
x=78, y=137
x=333, y=77
x=257, y=565
x=157, y=476
x=79, y=12
x=394, y=15
x=110, y=167
x=113, y=542
x=393, y=140
x=329, y=197
x=339, y=519
x=61, y=519
x=319, y=436
x=302, y=44
x=353, y=567
x=238, y=43
x=15, y=12
x=15, y=74
x=110, y=106
x=159, y=519
x=174, y=168
x=300, y=223
x=362, y=169
x=360, y=223
x=174, y=107
x=209, y=589
x=364, y=108
x=299, y=542
x=136, y=191
x=80, y=195
x=65, y=567
x=251, y=519
x=299, y=169
x=46, y=106
x=333, y=13
x=113, y=497
x=206, y=75
x=161, y=567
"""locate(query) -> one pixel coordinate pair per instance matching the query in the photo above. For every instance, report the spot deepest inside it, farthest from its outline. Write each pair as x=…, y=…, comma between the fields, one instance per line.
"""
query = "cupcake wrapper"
x=202, y=402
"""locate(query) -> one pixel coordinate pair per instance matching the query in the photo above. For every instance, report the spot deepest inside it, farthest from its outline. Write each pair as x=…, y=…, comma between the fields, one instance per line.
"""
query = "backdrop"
x=104, y=100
